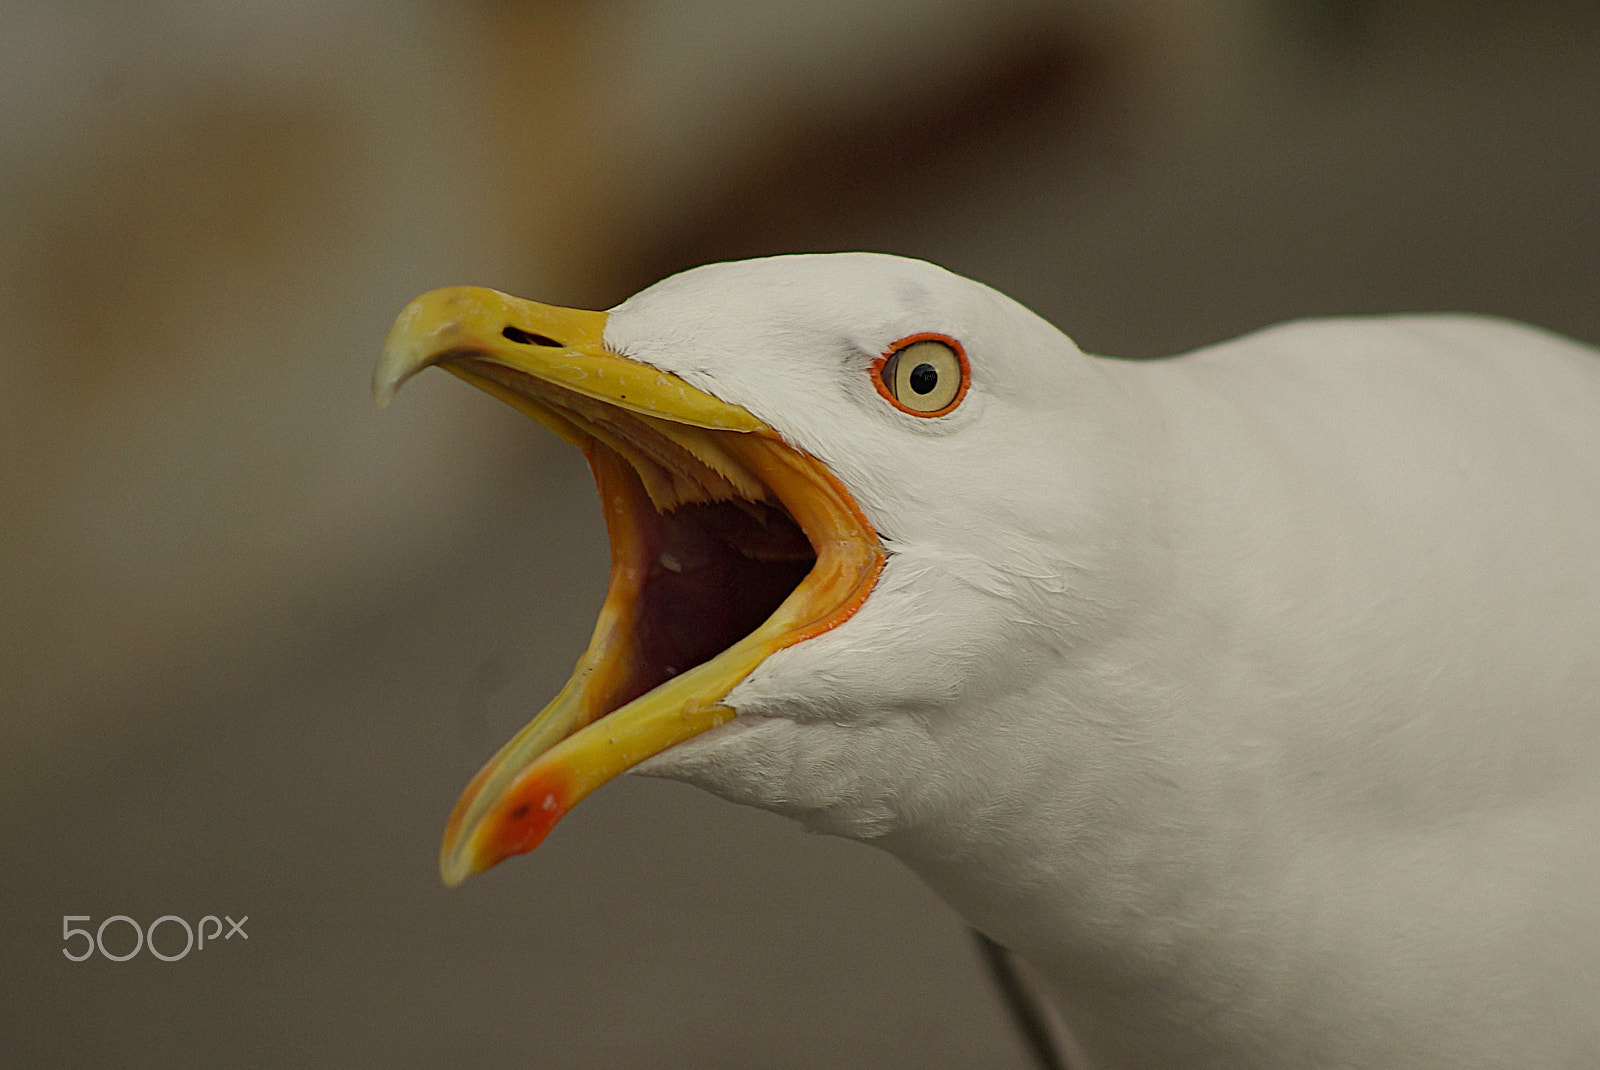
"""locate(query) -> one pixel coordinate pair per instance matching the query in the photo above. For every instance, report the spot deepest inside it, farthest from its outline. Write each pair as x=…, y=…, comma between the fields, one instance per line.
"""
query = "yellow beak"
x=715, y=524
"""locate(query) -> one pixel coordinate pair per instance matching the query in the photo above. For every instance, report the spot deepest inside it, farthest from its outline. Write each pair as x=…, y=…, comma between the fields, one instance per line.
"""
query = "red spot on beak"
x=527, y=816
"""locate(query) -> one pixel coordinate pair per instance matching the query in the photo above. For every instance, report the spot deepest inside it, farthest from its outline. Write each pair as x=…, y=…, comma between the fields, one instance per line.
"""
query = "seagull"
x=1251, y=695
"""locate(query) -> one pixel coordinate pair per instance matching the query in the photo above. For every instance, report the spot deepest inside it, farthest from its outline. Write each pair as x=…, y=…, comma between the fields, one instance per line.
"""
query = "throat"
x=712, y=573
x=853, y=780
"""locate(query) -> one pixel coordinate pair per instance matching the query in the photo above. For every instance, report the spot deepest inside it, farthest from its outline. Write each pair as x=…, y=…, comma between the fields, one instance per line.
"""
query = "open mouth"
x=726, y=545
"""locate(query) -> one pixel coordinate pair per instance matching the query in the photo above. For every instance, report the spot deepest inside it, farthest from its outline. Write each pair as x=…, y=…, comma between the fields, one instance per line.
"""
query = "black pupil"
x=924, y=377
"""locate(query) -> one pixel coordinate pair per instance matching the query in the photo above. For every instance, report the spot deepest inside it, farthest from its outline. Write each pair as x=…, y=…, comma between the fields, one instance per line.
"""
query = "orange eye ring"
x=890, y=361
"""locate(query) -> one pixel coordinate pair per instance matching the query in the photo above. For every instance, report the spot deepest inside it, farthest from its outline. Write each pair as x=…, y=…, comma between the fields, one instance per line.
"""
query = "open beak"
x=726, y=545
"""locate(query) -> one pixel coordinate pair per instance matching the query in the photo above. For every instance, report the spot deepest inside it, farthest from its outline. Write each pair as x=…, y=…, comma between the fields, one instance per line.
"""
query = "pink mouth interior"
x=715, y=572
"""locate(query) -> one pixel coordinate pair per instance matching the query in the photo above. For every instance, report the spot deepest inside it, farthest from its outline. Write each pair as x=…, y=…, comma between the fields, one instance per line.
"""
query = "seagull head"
x=857, y=505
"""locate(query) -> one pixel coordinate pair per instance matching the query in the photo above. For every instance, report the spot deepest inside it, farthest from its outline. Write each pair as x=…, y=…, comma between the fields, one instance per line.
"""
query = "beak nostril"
x=528, y=338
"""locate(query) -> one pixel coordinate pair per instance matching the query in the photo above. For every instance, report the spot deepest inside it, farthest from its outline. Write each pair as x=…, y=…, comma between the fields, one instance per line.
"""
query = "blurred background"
x=257, y=636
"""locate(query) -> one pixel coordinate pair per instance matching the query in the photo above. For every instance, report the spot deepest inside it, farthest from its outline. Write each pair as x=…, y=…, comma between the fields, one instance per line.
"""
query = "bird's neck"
x=1101, y=872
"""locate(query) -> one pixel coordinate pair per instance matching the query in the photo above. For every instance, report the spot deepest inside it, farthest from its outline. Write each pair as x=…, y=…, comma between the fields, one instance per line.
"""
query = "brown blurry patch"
x=808, y=179
x=131, y=266
x=164, y=224
x=545, y=64
x=823, y=180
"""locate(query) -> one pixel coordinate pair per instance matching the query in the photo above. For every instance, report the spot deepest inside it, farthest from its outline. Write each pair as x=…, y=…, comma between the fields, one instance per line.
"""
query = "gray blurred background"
x=257, y=637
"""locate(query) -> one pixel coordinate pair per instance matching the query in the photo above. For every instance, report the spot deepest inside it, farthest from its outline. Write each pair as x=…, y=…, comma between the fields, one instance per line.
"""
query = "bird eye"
x=924, y=375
